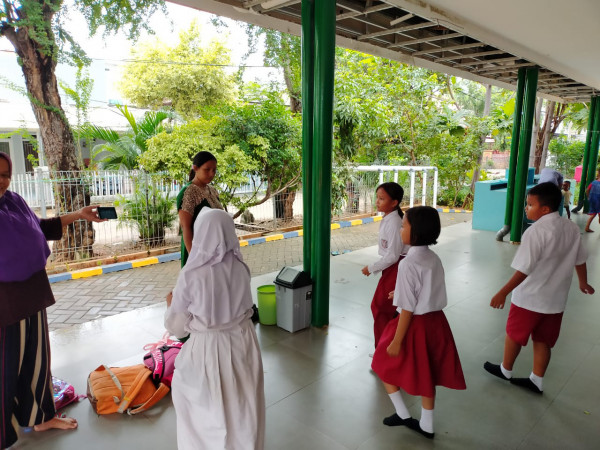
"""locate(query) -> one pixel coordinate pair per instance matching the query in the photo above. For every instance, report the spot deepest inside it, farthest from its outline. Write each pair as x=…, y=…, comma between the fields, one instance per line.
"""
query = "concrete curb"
x=93, y=271
x=448, y=210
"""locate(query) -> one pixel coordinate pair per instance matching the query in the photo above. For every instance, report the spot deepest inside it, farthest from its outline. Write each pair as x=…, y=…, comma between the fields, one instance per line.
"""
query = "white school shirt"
x=420, y=285
x=390, y=243
x=549, y=251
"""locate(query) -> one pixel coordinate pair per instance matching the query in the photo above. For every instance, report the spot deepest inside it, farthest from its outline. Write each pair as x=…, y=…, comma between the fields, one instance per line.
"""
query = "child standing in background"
x=566, y=193
x=593, y=195
x=417, y=352
x=391, y=250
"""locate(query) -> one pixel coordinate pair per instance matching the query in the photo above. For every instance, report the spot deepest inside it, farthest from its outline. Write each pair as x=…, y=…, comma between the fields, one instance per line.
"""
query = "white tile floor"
x=321, y=393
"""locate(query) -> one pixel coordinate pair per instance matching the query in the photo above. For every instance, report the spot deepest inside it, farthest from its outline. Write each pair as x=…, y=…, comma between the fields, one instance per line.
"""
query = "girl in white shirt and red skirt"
x=416, y=351
x=391, y=250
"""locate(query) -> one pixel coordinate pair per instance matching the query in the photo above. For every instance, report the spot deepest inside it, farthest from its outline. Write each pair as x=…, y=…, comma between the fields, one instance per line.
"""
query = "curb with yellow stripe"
x=93, y=271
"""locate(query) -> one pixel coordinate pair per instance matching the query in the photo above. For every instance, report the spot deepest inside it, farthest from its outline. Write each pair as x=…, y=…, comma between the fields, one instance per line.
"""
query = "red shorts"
x=542, y=327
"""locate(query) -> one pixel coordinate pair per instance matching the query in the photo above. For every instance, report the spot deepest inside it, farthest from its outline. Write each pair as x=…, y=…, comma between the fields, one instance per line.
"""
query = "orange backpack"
x=123, y=389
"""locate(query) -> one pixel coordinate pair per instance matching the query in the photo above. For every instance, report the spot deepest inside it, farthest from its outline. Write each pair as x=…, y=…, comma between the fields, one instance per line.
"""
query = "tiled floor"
x=321, y=393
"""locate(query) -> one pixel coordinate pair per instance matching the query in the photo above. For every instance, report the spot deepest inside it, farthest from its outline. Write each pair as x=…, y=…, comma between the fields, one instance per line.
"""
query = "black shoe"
x=395, y=421
x=254, y=317
x=495, y=370
x=527, y=384
x=416, y=426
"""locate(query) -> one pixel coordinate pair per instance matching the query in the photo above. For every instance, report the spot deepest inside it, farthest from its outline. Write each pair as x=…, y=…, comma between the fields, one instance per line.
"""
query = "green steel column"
x=321, y=164
x=523, y=158
x=308, y=77
x=593, y=158
x=586, y=153
x=514, y=147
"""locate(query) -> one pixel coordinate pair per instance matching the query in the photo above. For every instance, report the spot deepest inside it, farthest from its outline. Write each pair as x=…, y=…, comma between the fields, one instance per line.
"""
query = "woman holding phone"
x=26, y=391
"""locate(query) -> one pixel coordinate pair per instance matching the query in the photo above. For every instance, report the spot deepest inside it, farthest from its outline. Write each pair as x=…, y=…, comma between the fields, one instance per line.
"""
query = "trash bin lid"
x=292, y=278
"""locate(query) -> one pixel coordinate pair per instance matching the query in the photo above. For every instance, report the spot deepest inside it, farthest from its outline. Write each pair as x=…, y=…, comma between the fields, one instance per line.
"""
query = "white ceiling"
x=562, y=36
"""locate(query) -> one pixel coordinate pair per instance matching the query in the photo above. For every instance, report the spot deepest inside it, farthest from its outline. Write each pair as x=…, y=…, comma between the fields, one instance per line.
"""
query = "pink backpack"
x=64, y=393
x=161, y=359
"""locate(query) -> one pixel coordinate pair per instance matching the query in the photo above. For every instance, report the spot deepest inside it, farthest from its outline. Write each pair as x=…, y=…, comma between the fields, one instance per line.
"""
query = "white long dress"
x=218, y=385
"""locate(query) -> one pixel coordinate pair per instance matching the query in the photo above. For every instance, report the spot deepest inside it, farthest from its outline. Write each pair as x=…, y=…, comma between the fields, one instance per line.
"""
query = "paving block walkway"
x=83, y=300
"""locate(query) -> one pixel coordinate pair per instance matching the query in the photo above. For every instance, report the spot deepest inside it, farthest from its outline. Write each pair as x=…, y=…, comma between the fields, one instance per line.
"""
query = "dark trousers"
x=26, y=394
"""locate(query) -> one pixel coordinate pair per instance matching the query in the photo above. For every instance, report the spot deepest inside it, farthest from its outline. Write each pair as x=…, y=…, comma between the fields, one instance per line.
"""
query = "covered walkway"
x=321, y=393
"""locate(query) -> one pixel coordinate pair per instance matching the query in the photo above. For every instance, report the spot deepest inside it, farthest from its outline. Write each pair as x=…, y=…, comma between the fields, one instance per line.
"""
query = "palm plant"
x=122, y=151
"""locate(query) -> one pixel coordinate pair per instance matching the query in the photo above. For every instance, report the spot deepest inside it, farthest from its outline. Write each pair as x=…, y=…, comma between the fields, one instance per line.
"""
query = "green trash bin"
x=267, y=305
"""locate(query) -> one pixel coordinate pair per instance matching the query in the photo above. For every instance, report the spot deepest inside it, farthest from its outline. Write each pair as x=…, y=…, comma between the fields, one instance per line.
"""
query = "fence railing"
x=146, y=204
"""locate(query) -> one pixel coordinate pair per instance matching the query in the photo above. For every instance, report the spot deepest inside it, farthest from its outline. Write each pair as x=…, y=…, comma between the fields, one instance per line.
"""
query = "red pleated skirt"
x=382, y=307
x=428, y=356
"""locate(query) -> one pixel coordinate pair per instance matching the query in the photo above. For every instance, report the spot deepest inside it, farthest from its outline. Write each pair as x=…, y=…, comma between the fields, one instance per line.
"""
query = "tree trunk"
x=477, y=171
x=38, y=64
x=541, y=136
x=534, y=132
x=288, y=210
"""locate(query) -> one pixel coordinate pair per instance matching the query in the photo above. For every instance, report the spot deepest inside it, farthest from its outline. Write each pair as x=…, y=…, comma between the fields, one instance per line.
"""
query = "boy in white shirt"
x=544, y=263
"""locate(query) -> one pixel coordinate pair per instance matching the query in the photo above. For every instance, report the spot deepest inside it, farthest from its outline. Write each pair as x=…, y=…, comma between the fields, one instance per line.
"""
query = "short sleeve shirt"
x=549, y=251
x=390, y=242
x=194, y=195
x=420, y=284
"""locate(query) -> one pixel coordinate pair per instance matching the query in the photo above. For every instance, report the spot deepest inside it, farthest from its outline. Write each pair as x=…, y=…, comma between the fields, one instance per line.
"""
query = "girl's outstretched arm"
x=403, y=323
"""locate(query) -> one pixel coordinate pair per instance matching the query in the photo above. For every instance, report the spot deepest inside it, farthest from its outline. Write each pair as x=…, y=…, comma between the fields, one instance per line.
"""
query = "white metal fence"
x=146, y=203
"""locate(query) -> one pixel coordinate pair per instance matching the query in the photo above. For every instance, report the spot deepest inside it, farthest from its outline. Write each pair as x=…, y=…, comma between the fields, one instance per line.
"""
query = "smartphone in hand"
x=107, y=212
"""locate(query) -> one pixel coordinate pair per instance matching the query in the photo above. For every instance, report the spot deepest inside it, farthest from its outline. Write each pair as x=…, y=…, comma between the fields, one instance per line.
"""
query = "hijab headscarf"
x=7, y=158
x=24, y=250
x=214, y=285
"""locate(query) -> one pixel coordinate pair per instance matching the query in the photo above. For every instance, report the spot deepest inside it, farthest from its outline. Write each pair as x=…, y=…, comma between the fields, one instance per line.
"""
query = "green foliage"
x=258, y=141
x=456, y=157
x=190, y=76
x=80, y=95
x=280, y=50
x=566, y=155
x=123, y=151
x=151, y=210
x=114, y=15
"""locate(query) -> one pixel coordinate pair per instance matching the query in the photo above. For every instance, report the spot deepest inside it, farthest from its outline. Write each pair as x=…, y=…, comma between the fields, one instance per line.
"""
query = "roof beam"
x=494, y=61
x=396, y=30
x=364, y=12
x=471, y=55
x=497, y=69
x=438, y=37
x=449, y=49
x=404, y=18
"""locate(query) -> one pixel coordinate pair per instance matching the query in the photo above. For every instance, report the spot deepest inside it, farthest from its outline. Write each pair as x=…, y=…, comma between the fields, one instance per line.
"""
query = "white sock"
x=401, y=409
x=426, y=421
x=538, y=381
x=506, y=373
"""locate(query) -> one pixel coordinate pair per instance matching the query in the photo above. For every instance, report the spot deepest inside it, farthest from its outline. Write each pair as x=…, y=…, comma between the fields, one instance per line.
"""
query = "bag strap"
x=156, y=397
x=117, y=383
x=134, y=390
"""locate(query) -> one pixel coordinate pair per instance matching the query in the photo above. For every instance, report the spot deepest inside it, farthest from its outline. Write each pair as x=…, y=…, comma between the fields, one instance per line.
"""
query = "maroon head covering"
x=24, y=247
x=7, y=158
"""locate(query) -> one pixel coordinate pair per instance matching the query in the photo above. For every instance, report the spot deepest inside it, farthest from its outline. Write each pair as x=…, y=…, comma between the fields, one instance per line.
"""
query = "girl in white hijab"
x=218, y=388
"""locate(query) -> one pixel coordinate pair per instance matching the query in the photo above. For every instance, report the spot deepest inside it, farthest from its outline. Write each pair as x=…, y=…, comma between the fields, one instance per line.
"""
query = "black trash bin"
x=294, y=299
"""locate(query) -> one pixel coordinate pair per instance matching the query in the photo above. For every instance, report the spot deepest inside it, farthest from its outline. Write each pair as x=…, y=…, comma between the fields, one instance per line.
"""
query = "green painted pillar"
x=321, y=164
x=516, y=228
x=308, y=77
x=514, y=151
x=586, y=153
x=593, y=158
